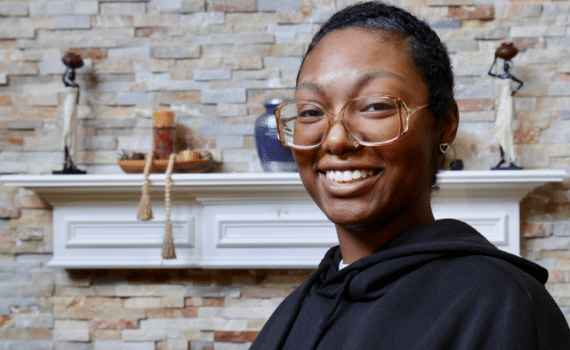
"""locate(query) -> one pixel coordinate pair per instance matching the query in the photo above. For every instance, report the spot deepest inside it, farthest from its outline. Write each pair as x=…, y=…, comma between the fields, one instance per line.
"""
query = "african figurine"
x=505, y=111
x=72, y=61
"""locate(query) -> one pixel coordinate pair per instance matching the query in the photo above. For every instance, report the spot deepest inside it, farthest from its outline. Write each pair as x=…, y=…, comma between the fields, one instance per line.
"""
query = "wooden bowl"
x=159, y=166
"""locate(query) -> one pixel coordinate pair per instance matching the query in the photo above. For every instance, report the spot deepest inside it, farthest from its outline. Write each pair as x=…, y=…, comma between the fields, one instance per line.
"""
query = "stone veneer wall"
x=214, y=62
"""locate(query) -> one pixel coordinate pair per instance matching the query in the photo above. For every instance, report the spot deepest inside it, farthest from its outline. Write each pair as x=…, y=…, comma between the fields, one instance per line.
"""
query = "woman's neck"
x=358, y=243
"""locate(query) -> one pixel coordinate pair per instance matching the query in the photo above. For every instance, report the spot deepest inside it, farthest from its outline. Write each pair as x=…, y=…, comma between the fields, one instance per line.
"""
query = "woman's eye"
x=379, y=107
x=310, y=113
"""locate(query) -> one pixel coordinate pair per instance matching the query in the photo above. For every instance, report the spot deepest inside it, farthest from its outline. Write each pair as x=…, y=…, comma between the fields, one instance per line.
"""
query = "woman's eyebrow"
x=366, y=77
x=308, y=86
x=361, y=80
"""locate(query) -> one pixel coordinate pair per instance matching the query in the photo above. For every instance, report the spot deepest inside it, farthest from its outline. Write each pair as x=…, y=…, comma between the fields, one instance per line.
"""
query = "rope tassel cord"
x=144, y=212
x=168, y=243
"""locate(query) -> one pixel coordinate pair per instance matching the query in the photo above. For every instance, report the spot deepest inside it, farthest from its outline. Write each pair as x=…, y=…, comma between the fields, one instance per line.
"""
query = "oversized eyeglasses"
x=369, y=120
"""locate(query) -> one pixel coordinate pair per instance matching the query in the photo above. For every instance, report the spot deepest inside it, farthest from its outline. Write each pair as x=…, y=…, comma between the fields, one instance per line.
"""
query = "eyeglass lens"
x=367, y=119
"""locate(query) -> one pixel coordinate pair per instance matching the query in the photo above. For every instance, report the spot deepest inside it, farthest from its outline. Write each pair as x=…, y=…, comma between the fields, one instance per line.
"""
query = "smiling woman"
x=345, y=65
x=373, y=114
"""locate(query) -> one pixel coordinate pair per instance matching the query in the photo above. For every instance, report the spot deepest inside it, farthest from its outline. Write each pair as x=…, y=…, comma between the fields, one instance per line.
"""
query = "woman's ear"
x=449, y=126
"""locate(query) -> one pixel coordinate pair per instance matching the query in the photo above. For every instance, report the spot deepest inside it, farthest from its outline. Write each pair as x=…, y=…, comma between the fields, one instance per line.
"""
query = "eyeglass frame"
x=333, y=117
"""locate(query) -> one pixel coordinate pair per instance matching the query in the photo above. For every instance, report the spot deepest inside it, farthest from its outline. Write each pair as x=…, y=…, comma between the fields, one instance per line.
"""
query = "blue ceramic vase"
x=274, y=157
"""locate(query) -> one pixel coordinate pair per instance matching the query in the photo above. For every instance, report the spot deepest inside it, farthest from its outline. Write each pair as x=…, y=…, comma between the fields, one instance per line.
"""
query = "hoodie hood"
x=441, y=239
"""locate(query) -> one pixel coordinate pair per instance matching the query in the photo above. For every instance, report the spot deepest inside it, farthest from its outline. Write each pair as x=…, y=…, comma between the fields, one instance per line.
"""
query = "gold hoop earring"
x=443, y=147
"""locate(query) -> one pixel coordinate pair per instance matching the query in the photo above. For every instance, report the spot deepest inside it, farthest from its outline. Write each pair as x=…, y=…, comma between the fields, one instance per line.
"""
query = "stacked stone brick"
x=213, y=63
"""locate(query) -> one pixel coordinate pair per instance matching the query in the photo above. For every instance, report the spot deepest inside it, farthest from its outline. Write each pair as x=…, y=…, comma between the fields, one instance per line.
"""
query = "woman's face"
x=346, y=64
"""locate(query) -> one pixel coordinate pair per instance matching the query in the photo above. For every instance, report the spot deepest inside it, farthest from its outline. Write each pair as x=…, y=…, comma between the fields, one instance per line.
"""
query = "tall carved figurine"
x=505, y=112
x=72, y=61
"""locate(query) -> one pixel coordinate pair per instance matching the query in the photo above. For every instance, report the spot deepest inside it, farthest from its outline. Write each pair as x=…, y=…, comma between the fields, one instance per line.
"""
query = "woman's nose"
x=338, y=140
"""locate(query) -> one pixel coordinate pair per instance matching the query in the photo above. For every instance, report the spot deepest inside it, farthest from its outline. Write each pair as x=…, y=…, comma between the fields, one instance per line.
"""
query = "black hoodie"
x=441, y=285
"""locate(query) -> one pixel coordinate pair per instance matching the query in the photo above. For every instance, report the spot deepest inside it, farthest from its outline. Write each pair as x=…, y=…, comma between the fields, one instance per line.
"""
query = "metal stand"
x=511, y=166
x=69, y=167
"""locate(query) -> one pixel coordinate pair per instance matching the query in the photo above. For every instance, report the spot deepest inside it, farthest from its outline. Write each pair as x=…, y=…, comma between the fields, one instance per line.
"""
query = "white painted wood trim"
x=251, y=220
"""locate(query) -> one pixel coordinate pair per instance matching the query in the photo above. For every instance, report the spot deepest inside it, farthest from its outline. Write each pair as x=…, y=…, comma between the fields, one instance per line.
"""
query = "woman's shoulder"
x=508, y=291
x=492, y=275
x=487, y=290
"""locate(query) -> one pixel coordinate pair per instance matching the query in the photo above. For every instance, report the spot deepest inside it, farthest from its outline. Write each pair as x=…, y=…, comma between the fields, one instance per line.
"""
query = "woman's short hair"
x=427, y=51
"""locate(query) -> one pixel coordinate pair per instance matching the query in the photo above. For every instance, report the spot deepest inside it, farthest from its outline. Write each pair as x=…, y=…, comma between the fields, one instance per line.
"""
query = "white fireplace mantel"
x=251, y=220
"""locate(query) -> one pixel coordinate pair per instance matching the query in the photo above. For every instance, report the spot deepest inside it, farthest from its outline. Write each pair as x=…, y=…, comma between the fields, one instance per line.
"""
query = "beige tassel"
x=168, y=243
x=145, y=210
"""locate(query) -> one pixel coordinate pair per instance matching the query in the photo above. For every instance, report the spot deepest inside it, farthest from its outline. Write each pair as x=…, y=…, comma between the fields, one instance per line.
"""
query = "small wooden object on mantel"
x=164, y=141
x=163, y=133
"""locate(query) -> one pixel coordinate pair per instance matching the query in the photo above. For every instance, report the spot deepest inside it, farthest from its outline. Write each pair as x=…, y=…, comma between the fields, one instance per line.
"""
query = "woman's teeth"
x=347, y=175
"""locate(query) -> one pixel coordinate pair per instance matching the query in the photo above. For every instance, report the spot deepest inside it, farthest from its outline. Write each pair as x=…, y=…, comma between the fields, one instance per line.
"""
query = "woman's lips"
x=350, y=188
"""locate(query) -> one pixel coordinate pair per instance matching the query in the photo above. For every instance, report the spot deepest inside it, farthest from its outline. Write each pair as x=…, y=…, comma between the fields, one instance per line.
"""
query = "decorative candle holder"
x=163, y=133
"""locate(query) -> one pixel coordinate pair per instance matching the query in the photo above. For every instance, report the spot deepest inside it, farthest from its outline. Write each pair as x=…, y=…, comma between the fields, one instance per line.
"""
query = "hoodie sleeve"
x=551, y=328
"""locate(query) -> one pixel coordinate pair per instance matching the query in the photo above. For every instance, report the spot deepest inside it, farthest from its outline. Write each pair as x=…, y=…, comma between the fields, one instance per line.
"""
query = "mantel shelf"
x=253, y=220
x=497, y=181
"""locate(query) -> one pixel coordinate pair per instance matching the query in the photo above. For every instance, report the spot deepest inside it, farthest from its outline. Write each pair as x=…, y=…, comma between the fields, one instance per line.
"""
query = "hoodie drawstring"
x=328, y=319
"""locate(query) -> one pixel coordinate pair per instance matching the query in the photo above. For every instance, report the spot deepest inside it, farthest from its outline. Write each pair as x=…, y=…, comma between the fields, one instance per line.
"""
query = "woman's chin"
x=353, y=219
